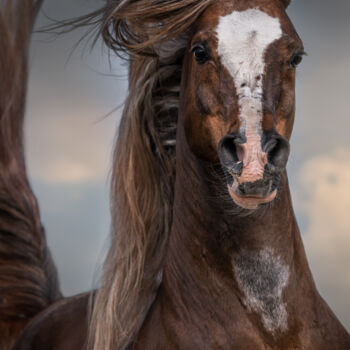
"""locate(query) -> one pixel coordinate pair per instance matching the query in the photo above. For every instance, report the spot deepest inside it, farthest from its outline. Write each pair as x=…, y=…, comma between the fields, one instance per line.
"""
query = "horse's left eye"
x=201, y=54
x=296, y=60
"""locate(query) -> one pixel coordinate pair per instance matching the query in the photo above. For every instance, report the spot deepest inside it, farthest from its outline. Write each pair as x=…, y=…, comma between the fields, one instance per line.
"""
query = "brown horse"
x=28, y=282
x=213, y=259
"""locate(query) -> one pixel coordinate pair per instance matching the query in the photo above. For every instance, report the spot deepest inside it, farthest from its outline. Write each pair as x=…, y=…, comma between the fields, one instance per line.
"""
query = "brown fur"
x=188, y=231
x=62, y=326
x=27, y=276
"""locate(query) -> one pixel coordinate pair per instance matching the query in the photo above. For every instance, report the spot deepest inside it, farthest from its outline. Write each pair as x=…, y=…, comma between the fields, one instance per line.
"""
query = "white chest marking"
x=262, y=278
x=243, y=38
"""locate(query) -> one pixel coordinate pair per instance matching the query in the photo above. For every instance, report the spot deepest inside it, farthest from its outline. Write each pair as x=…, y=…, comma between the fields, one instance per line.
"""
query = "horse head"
x=239, y=101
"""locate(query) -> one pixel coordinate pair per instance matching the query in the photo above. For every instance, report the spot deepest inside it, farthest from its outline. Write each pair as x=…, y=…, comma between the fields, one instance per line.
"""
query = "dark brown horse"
x=28, y=282
x=213, y=259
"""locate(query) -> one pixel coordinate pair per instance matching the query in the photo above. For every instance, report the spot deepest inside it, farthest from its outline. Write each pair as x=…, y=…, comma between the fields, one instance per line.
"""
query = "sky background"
x=69, y=145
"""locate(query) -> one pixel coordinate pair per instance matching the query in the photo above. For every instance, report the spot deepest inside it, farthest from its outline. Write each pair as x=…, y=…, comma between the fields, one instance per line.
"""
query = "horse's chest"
x=262, y=278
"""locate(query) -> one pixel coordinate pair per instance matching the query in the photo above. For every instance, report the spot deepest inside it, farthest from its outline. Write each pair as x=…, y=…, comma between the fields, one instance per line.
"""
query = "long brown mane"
x=27, y=277
x=153, y=35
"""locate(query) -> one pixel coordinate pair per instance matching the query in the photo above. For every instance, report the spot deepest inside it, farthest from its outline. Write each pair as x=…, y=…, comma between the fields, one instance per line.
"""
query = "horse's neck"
x=232, y=280
x=224, y=263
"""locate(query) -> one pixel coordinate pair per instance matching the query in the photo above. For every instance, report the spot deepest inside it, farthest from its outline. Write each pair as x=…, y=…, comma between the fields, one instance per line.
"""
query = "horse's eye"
x=296, y=60
x=201, y=54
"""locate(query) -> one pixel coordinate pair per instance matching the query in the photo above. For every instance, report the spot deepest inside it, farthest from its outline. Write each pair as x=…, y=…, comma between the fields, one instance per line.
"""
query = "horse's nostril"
x=270, y=145
x=277, y=149
x=231, y=154
x=240, y=152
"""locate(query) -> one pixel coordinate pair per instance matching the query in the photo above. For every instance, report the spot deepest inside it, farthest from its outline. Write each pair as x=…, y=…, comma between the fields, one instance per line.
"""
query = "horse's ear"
x=285, y=3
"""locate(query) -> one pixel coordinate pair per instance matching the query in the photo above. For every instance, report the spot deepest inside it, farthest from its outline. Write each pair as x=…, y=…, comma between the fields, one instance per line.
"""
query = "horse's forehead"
x=232, y=9
x=243, y=31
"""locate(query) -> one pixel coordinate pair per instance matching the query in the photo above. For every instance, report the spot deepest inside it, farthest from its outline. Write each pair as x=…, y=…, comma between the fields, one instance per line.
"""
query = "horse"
x=28, y=278
x=205, y=251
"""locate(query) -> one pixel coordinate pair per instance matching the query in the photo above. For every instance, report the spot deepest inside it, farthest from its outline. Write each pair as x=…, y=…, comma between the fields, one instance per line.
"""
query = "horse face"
x=240, y=101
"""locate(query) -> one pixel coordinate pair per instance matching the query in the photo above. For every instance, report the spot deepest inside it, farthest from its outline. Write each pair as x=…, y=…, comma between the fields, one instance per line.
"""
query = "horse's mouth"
x=251, y=201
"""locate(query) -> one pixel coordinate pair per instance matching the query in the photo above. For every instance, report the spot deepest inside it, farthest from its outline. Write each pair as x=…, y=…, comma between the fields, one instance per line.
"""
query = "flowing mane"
x=153, y=35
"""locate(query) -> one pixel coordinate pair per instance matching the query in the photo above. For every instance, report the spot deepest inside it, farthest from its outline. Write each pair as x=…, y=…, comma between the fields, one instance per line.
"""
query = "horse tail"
x=28, y=279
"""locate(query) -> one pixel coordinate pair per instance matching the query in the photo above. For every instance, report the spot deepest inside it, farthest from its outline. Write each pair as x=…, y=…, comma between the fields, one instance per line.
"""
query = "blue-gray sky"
x=69, y=147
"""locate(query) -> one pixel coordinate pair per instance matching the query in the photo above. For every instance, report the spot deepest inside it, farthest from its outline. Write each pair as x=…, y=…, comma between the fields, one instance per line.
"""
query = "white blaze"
x=243, y=38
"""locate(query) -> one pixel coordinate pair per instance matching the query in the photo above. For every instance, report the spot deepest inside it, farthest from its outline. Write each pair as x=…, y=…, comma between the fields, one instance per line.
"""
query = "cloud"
x=69, y=172
x=323, y=195
x=69, y=148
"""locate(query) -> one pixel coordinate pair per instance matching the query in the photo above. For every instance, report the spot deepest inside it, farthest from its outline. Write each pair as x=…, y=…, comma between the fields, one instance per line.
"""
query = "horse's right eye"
x=201, y=54
x=296, y=59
